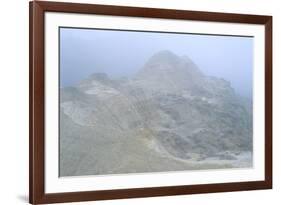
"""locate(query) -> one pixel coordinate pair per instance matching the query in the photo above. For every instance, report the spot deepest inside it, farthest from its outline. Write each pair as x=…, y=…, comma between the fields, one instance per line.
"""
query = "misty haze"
x=136, y=102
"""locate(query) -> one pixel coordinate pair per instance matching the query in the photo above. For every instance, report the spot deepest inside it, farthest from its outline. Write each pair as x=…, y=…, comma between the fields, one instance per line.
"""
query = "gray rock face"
x=169, y=117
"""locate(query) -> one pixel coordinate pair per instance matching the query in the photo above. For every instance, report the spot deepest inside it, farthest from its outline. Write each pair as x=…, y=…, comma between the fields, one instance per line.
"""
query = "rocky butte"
x=168, y=117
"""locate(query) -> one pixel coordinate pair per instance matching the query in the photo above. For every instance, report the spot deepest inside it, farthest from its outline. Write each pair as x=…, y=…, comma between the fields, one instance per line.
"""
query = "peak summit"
x=165, y=53
x=167, y=64
x=164, y=56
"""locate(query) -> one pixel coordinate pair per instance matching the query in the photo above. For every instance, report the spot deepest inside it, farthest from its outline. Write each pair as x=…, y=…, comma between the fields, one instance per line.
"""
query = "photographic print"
x=137, y=101
x=129, y=102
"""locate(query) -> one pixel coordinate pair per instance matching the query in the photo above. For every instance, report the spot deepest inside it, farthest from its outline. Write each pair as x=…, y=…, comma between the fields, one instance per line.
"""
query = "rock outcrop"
x=168, y=117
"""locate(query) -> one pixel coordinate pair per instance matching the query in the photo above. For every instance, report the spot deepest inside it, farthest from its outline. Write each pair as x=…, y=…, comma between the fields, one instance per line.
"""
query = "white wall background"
x=14, y=100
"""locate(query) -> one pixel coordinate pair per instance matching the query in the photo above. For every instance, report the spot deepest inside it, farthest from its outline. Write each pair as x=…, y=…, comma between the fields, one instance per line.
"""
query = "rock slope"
x=168, y=117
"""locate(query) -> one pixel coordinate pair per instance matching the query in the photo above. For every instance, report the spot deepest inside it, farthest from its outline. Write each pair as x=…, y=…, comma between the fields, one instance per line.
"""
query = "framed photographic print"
x=139, y=102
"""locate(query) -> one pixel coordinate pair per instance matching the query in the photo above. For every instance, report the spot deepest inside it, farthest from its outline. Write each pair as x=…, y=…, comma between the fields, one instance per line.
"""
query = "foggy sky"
x=123, y=53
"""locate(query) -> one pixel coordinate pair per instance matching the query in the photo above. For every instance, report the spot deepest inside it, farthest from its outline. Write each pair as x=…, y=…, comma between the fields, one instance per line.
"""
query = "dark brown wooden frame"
x=37, y=194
